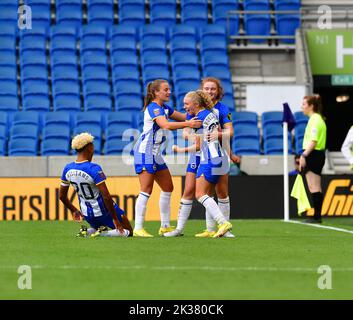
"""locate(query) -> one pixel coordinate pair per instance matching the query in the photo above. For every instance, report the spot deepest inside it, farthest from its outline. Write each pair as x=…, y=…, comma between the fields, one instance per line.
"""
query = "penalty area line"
x=320, y=226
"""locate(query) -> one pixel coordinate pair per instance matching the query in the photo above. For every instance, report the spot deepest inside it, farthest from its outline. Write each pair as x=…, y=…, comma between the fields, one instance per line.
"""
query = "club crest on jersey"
x=156, y=112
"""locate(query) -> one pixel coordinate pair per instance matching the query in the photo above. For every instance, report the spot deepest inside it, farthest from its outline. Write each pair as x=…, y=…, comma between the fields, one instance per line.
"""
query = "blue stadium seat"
x=62, y=34
x=121, y=33
x=228, y=100
x=28, y=131
x=35, y=87
x=245, y=117
x=246, y=146
x=260, y=5
x=183, y=32
x=275, y=146
x=61, y=48
x=185, y=86
x=181, y=60
x=55, y=147
x=157, y=61
x=123, y=88
x=286, y=26
x=163, y=12
x=93, y=33
x=8, y=73
x=286, y=5
x=56, y=118
x=8, y=87
x=98, y=102
x=69, y=12
x=242, y=131
x=115, y=146
x=3, y=119
x=94, y=129
x=93, y=87
x=3, y=140
x=91, y=59
x=67, y=102
x=153, y=33
x=299, y=130
x=257, y=25
x=8, y=103
x=220, y=72
x=33, y=40
x=227, y=88
x=120, y=118
x=209, y=59
x=128, y=103
x=36, y=102
x=94, y=47
x=185, y=73
x=41, y=12
x=271, y=117
x=213, y=34
x=88, y=118
x=66, y=86
x=150, y=73
x=33, y=60
x=34, y=73
x=95, y=73
x=273, y=131
x=299, y=145
x=7, y=59
x=132, y=12
x=184, y=47
x=122, y=47
x=117, y=131
x=121, y=72
x=157, y=47
x=57, y=131
x=8, y=13
x=23, y=147
x=26, y=118
x=124, y=60
x=221, y=14
x=300, y=118
x=8, y=39
x=101, y=12
x=194, y=12
x=64, y=73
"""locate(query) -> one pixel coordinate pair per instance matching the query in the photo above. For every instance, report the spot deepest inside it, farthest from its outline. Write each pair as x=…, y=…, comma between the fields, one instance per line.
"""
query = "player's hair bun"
x=81, y=140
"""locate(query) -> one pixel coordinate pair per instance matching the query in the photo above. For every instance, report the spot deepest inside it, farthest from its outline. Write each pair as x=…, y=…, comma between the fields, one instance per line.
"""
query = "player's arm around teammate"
x=149, y=164
x=312, y=159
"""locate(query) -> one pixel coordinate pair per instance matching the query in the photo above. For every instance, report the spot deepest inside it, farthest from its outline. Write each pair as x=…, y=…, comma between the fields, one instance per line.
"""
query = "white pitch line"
x=320, y=226
x=185, y=268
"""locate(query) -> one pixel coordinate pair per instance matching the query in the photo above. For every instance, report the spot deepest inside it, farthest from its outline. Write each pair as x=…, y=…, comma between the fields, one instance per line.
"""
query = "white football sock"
x=140, y=210
x=213, y=209
x=91, y=231
x=115, y=233
x=210, y=223
x=184, y=213
x=164, y=206
x=224, y=205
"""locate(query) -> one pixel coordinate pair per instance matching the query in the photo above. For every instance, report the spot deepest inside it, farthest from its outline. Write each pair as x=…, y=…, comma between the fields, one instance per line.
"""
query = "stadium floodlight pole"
x=285, y=171
x=288, y=125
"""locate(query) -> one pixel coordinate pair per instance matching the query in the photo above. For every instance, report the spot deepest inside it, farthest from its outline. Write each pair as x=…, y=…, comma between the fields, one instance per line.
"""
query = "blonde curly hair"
x=201, y=98
x=81, y=140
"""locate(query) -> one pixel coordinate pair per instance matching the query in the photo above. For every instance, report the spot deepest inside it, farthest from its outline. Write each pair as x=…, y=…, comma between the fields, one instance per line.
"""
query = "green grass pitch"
x=269, y=259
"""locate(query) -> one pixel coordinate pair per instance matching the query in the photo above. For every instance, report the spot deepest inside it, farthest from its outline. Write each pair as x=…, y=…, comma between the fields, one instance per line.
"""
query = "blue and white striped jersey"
x=212, y=149
x=152, y=136
x=84, y=177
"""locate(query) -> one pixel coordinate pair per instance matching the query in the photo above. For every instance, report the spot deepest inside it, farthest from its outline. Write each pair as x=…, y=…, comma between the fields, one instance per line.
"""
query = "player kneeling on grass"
x=97, y=206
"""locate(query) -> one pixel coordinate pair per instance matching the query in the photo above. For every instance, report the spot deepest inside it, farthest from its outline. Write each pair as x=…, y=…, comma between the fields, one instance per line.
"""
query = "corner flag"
x=288, y=116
